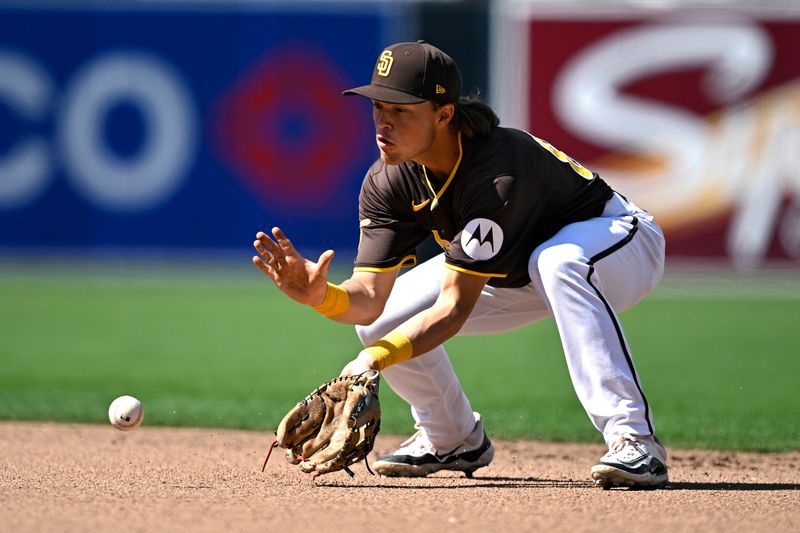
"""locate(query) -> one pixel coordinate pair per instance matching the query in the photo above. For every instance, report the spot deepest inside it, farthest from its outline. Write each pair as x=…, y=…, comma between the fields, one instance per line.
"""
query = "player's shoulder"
x=376, y=170
x=391, y=180
x=503, y=140
x=498, y=152
x=380, y=172
x=498, y=144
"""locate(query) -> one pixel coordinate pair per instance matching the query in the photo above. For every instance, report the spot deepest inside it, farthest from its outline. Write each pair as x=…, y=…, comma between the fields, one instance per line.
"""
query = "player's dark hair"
x=474, y=117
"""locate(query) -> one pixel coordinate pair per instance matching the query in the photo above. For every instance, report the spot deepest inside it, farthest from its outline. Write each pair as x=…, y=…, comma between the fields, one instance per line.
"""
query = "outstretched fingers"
x=270, y=250
x=297, y=277
x=285, y=244
x=264, y=267
x=267, y=259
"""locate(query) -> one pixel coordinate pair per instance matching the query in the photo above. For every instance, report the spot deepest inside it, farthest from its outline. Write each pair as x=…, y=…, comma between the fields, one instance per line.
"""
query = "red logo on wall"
x=285, y=129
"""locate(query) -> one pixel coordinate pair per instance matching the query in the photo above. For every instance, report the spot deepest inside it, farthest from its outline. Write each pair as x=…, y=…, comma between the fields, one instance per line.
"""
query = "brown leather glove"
x=334, y=426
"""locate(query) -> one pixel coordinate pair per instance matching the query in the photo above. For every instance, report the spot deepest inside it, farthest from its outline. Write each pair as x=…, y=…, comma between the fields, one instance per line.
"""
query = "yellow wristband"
x=392, y=349
x=336, y=301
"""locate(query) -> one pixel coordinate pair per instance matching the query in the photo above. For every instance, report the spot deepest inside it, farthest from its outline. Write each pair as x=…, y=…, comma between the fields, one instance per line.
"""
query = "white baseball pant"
x=582, y=277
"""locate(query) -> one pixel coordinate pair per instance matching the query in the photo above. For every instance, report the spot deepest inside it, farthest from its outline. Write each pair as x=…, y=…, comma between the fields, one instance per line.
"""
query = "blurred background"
x=144, y=143
x=163, y=126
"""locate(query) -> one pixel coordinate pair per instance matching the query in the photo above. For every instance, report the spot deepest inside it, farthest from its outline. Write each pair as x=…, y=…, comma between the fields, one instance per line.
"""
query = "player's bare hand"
x=299, y=278
x=360, y=364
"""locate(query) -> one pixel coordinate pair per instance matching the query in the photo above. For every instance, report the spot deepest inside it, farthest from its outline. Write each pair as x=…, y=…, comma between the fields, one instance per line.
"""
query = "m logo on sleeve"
x=481, y=238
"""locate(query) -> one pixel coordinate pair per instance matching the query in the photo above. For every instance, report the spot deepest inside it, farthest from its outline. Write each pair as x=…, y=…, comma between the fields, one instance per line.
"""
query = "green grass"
x=203, y=350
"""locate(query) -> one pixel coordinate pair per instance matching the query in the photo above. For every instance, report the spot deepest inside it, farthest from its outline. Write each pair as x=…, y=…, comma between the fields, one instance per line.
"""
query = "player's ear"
x=444, y=114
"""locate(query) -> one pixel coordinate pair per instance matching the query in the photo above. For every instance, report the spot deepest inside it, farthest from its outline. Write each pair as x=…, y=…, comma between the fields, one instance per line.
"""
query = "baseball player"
x=527, y=233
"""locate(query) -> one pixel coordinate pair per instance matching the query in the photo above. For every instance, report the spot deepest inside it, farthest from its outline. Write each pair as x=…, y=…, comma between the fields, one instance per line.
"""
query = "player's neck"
x=443, y=156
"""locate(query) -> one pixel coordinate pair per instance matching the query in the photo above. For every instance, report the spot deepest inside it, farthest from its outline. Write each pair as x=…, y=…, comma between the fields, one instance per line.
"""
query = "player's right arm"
x=367, y=293
x=387, y=241
x=358, y=300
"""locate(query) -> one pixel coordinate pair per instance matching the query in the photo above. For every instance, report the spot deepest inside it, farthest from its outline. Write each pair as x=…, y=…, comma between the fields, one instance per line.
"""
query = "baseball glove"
x=333, y=427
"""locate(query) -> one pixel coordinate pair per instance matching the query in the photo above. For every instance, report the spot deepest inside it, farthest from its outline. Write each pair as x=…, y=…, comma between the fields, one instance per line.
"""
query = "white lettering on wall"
x=133, y=183
x=27, y=166
x=688, y=168
x=126, y=184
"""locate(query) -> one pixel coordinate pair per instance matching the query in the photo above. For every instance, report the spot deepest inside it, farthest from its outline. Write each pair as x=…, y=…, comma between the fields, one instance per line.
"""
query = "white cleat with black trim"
x=635, y=462
x=417, y=457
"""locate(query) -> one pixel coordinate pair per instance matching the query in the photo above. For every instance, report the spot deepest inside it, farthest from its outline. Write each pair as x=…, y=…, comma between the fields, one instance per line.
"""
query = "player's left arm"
x=427, y=329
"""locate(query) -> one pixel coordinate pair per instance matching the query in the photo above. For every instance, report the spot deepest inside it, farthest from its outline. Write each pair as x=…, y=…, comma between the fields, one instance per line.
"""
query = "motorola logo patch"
x=481, y=238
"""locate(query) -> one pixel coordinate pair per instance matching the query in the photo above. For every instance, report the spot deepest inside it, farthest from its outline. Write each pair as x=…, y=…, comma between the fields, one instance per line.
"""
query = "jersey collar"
x=438, y=195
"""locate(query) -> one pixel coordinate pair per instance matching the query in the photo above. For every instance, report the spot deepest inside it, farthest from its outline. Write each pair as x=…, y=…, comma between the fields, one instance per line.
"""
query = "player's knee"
x=555, y=265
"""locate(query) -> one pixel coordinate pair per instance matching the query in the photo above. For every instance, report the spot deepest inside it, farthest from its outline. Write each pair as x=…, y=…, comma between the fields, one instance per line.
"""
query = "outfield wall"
x=175, y=125
x=691, y=109
x=168, y=125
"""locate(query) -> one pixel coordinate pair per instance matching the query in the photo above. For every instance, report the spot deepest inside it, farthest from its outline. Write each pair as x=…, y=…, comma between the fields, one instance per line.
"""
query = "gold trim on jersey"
x=438, y=195
x=444, y=243
x=481, y=274
x=581, y=170
x=408, y=261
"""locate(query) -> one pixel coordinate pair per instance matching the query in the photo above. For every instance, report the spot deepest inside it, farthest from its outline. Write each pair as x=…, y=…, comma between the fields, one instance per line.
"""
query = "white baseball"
x=126, y=413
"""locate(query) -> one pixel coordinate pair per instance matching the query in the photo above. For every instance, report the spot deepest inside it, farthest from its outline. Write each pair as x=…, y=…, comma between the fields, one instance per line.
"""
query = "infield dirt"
x=94, y=478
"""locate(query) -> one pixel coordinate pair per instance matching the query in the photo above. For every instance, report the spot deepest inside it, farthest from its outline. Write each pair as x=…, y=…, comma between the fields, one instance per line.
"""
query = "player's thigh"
x=504, y=309
x=495, y=311
x=629, y=273
x=622, y=259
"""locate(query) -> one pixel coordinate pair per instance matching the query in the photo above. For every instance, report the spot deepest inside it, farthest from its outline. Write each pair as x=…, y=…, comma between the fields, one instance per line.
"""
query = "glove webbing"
x=321, y=389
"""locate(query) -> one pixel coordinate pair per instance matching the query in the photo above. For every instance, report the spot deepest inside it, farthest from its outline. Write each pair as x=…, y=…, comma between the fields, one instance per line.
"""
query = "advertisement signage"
x=178, y=127
x=694, y=114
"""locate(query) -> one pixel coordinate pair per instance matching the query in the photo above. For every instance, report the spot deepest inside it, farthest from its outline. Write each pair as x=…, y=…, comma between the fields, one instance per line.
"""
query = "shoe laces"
x=628, y=445
x=417, y=443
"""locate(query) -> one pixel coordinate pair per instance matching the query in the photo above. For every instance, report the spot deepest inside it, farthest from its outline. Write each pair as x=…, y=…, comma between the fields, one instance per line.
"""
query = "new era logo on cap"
x=410, y=73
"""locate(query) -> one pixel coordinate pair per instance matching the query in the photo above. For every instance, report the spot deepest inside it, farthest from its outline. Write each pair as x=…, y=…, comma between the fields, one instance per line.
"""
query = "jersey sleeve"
x=388, y=236
x=495, y=219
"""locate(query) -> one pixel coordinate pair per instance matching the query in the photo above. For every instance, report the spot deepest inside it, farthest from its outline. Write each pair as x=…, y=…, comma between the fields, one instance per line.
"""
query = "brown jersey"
x=508, y=193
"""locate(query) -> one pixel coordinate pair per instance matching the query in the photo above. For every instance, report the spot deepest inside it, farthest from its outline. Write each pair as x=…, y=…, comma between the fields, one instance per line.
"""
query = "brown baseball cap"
x=410, y=73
